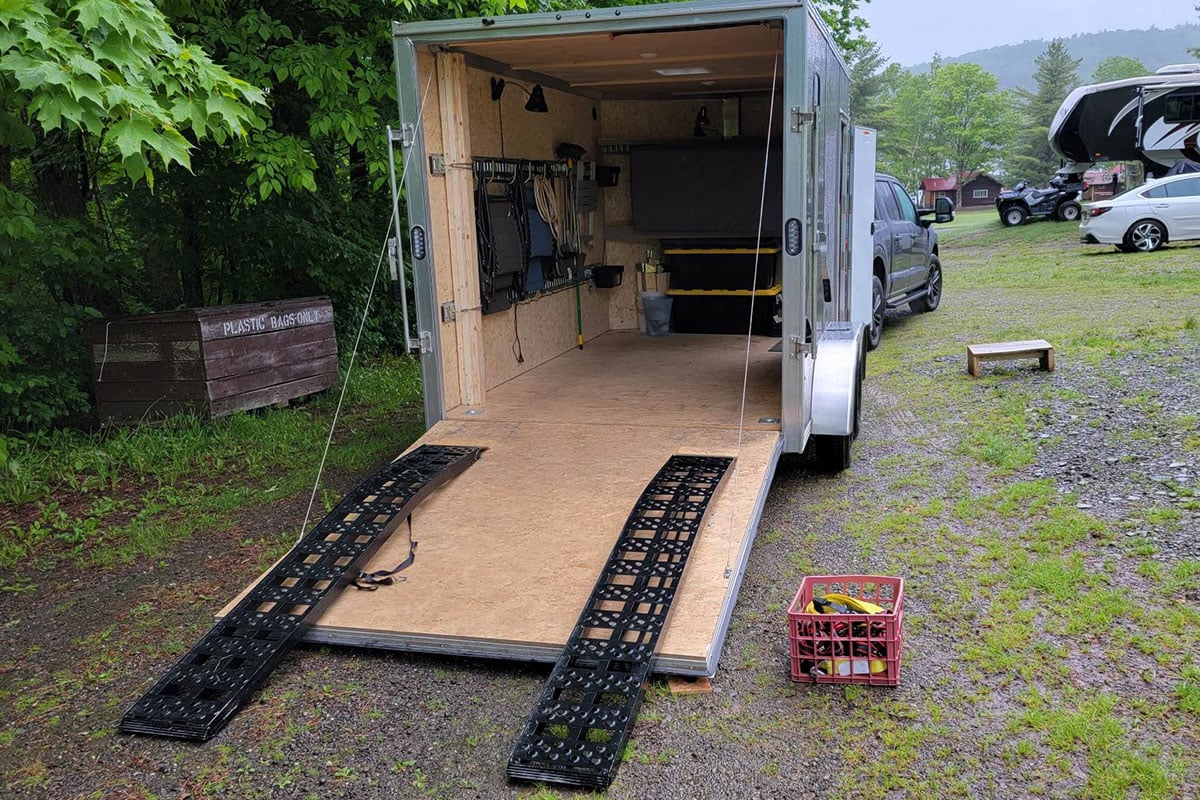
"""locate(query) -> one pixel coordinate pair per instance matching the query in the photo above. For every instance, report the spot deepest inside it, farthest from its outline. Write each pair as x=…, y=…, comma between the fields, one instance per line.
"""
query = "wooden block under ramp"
x=1007, y=351
x=680, y=685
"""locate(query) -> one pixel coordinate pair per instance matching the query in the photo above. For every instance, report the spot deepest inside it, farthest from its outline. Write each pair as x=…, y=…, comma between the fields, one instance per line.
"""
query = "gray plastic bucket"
x=657, y=307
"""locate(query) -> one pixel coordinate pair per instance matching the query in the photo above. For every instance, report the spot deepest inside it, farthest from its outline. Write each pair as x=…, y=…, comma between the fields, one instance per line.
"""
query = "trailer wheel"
x=1013, y=215
x=832, y=453
x=875, y=332
x=1068, y=212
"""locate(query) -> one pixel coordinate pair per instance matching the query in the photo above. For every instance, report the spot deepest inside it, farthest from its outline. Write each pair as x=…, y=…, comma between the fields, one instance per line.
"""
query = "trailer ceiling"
x=697, y=62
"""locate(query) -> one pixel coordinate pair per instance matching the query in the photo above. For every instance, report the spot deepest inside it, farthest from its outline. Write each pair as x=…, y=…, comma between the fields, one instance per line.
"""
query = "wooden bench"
x=1004, y=351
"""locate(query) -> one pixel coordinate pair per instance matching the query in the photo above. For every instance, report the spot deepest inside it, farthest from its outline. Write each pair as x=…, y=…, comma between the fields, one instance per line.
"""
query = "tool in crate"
x=847, y=629
x=842, y=654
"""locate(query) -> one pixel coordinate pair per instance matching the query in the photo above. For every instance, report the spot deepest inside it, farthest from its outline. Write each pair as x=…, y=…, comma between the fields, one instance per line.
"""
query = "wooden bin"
x=214, y=360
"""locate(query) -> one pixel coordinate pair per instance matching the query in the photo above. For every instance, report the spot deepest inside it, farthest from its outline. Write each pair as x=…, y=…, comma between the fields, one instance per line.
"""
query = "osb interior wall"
x=655, y=120
x=546, y=326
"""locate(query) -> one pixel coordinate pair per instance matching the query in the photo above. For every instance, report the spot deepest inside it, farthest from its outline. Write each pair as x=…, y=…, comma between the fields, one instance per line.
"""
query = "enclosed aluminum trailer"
x=711, y=139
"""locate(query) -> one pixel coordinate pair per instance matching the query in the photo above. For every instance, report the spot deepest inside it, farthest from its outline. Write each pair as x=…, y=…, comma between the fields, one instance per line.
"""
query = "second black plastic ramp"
x=577, y=732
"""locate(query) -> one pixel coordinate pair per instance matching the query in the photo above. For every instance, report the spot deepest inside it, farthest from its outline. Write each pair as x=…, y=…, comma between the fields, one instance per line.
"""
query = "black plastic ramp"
x=202, y=692
x=578, y=729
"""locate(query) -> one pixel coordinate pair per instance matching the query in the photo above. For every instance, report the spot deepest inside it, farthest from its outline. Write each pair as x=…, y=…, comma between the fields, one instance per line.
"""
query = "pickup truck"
x=907, y=265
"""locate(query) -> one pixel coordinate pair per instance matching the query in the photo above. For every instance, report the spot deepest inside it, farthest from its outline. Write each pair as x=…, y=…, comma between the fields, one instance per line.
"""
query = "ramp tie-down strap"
x=370, y=581
x=577, y=732
x=199, y=695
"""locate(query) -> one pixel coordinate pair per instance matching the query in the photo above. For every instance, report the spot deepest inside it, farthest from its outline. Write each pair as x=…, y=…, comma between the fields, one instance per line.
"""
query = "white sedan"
x=1144, y=219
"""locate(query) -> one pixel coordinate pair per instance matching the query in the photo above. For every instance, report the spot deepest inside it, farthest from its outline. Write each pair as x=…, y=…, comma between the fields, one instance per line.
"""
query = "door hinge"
x=394, y=257
x=425, y=342
x=801, y=118
x=797, y=347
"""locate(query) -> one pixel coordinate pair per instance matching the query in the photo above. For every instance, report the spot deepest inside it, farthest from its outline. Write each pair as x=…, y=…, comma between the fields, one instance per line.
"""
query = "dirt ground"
x=1046, y=525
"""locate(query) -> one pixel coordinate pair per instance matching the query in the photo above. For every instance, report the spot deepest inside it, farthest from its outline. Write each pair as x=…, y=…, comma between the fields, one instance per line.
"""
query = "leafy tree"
x=872, y=85
x=846, y=25
x=1196, y=50
x=114, y=70
x=1056, y=76
x=1115, y=68
x=90, y=91
x=910, y=152
x=951, y=120
x=972, y=117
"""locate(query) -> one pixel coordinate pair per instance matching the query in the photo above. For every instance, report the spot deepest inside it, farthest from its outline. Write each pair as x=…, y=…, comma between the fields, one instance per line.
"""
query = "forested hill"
x=1156, y=47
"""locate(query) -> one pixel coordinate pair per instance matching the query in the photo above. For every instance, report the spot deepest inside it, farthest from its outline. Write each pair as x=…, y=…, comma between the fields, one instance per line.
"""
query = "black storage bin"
x=721, y=268
x=724, y=314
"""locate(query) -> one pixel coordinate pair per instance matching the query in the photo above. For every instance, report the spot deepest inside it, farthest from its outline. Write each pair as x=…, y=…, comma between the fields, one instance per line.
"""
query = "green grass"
x=113, y=495
x=1118, y=762
x=1013, y=586
x=1188, y=690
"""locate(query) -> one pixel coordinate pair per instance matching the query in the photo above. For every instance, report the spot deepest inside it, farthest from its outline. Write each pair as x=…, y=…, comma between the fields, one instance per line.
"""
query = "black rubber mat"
x=202, y=692
x=578, y=729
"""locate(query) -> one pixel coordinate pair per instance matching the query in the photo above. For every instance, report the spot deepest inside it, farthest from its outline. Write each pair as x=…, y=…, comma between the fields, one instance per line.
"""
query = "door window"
x=1155, y=193
x=1182, y=108
x=907, y=209
x=1188, y=187
x=885, y=202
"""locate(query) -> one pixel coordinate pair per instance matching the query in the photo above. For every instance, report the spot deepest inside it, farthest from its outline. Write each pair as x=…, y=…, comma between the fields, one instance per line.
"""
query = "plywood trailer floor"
x=509, y=551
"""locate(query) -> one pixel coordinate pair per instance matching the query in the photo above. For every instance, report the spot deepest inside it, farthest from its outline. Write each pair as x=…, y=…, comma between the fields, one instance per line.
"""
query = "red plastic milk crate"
x=847, y=643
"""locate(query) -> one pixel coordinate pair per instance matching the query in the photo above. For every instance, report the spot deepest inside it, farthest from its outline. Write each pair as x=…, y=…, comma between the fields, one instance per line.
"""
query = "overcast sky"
x=911, y=31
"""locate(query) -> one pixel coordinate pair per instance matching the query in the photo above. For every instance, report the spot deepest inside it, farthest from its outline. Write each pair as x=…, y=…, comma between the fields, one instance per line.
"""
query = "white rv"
x=1153, y=119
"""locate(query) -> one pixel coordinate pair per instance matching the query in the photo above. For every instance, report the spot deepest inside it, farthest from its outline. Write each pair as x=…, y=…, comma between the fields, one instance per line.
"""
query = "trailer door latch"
x=405, y=136
x=801, y=118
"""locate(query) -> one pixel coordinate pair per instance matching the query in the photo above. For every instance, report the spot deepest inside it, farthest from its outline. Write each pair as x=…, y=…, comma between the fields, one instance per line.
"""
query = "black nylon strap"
x=370, y=581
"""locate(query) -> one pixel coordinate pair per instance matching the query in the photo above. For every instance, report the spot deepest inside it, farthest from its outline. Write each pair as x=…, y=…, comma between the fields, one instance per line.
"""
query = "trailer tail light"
x=1099, y=211
x=416, y=238
x=793, y=239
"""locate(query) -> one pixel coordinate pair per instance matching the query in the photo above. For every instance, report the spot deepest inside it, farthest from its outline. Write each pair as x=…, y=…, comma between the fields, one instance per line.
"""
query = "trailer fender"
x=837, y=380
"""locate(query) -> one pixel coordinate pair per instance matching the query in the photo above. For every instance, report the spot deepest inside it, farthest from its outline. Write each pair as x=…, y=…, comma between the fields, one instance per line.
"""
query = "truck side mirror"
x=943, y=210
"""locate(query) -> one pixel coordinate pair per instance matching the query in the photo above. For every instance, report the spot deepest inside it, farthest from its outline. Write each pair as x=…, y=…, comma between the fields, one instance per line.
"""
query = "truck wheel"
x=1012, y=216
x=1145, y=236
x=1068, y=212
x=933, y=295
x=875, y=332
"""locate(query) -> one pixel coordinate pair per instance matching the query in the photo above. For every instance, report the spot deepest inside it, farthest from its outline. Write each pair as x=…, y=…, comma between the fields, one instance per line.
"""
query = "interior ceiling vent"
x=671, y=72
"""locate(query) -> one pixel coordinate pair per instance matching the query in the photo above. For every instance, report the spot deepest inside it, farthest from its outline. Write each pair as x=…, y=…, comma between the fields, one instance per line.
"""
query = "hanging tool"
x=578, y=318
